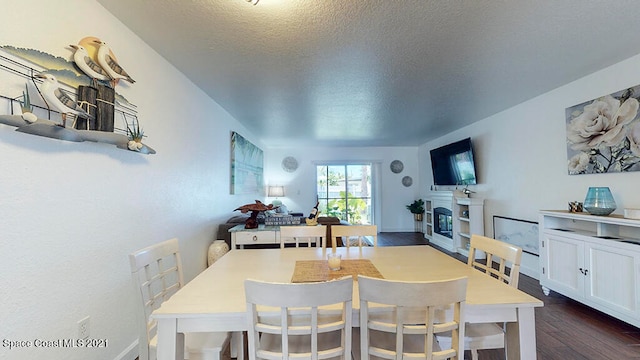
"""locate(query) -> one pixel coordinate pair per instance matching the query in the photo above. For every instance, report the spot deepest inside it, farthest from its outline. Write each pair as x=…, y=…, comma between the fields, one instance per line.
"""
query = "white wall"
x=521, y=153
x=70, y=213
x=300, y=185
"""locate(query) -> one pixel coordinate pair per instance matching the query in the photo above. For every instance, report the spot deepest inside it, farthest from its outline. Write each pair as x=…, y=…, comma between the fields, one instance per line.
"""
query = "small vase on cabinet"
x=599, y=201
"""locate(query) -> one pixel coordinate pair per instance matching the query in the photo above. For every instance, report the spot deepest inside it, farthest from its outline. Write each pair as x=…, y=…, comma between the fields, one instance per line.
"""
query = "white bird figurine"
x=55, y=97
x=87, y=65
x=110, y=65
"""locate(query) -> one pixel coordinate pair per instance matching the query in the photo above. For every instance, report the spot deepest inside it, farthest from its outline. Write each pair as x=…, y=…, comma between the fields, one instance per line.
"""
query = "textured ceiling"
x=379, y=72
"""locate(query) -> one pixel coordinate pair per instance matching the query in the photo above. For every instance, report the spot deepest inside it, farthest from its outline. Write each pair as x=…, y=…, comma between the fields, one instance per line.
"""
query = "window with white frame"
x=345, y=191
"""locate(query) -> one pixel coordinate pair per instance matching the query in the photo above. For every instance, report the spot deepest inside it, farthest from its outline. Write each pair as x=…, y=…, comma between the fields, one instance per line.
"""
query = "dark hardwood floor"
x=565, y=329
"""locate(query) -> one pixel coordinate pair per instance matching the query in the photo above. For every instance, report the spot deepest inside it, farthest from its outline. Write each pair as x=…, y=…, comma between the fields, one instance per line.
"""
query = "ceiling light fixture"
x=253, y=2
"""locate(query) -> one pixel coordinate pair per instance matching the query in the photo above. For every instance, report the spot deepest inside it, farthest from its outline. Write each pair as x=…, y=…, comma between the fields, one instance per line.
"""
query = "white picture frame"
x=522, y=233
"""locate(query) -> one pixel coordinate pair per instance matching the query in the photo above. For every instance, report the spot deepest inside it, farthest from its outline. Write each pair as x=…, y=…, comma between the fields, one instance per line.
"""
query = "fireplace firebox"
x=443, y=223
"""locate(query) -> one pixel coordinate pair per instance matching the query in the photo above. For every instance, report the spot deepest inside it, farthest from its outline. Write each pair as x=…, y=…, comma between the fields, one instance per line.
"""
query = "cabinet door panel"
x=612, y=278
x=564, y=260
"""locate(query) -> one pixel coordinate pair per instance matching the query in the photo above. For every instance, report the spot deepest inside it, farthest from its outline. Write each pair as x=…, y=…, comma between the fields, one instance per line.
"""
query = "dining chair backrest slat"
x=299, y=320
x=414, y=315
x=308, y=234
x=354, y=232
x=505, y=256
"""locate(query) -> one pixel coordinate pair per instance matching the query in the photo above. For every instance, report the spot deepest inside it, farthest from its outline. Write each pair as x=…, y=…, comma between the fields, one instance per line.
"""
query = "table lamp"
x=275, y=191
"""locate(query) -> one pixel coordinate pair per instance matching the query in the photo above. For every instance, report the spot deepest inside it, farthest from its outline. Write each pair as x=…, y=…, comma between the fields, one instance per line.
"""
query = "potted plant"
x=417, y=209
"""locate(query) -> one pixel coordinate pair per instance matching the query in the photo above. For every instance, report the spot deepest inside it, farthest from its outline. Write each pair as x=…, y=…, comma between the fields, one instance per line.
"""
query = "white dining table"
x=214, y=300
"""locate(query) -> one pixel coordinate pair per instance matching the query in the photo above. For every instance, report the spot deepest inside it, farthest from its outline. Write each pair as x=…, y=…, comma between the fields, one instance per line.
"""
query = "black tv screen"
x=453, y=164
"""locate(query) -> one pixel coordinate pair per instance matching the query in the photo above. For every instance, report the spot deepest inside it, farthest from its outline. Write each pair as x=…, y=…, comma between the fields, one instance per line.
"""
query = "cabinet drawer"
x=255, y=237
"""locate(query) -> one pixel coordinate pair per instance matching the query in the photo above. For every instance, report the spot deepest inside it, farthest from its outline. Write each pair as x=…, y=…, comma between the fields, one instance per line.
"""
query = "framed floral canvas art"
x=603, y=135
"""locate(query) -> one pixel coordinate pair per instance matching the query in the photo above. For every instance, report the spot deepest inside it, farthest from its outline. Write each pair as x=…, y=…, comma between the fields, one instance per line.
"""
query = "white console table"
x=262, y=235
x=592, y=259
x=259, y=236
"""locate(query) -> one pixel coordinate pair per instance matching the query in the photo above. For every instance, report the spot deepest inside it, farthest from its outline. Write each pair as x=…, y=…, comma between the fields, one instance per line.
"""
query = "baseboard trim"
x=130, y=353
x=445, y=244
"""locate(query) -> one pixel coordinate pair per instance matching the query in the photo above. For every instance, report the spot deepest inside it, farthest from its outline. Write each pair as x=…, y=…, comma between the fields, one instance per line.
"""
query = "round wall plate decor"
x=407, y=181
x=396, y=166
x=289, y=164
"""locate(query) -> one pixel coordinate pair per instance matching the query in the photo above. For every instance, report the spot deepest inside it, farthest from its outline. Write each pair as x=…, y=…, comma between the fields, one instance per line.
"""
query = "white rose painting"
x=603, y=135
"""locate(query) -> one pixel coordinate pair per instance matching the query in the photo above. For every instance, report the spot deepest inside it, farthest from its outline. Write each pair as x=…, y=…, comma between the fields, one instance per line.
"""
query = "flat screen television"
x=453, y=164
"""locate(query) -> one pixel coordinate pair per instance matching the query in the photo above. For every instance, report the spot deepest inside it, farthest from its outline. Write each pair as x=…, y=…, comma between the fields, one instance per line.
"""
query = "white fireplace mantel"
x=466, y=218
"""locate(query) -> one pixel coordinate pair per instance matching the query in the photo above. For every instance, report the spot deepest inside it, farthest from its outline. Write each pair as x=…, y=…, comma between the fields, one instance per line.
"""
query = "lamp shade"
x=275, y=191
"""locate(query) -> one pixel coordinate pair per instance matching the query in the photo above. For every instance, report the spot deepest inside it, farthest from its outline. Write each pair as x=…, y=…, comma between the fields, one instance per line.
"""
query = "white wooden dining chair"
x=157, y=275
x=309, y=234
x=502, y=263
x=398, y=319
x=299, y=321
x=354, y=235
x=506, y=256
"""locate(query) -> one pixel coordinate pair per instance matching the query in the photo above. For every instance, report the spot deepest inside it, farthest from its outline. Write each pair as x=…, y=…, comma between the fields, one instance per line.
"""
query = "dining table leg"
x=521, y=336
x=170, y=341
x=237, y=345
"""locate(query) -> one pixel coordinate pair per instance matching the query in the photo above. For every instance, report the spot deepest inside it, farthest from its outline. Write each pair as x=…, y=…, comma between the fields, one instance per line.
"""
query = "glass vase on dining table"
x=334, y=261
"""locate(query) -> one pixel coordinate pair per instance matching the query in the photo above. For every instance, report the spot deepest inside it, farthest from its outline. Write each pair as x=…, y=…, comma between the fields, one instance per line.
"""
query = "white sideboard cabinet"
x=592, y=259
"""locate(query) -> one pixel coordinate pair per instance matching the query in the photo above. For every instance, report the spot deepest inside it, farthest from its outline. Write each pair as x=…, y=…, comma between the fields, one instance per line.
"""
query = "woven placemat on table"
x=318, y=270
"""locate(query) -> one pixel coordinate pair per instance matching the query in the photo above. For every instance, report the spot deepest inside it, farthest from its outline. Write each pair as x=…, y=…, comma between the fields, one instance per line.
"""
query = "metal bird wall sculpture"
x=59, y=100
x=86, y=64
x=110, y=65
